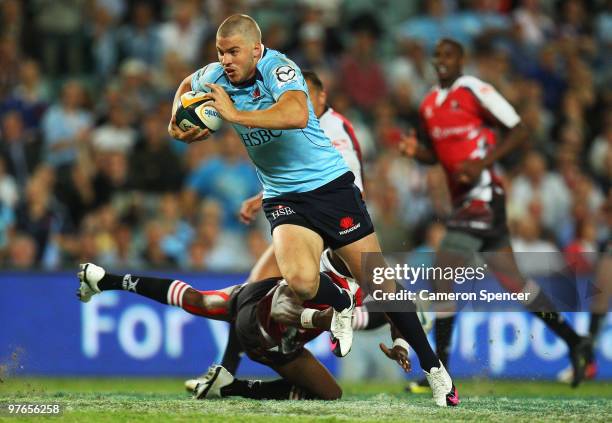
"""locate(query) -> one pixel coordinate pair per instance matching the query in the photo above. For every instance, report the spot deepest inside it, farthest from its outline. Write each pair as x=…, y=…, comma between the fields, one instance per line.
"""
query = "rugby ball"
x=194, y=111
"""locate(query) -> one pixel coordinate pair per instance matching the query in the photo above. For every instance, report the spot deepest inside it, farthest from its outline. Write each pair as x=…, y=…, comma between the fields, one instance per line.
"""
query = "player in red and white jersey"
x=270, y=325
x=458, y=119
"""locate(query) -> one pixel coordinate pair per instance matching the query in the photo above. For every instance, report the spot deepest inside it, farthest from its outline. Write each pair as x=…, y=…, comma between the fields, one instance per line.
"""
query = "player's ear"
x=323, y=96
x=257, y=50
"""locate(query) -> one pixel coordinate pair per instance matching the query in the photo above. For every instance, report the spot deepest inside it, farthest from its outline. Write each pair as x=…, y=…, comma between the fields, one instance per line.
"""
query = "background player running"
x=269, y=326
x=310, y=199
x=457, y=119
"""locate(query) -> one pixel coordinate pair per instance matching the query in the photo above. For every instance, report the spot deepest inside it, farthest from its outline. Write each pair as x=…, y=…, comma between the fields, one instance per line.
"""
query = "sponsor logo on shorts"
x=347, y=224
x=282, y=211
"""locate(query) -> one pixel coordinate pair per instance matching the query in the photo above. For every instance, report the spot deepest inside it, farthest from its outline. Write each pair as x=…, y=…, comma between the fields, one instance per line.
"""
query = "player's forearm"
x=183, y=87
x=292, y=314
x=516, y=137
x=289, y=114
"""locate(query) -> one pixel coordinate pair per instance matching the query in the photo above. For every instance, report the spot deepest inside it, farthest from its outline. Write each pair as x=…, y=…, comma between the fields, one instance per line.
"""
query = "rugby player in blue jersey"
x=309, y=196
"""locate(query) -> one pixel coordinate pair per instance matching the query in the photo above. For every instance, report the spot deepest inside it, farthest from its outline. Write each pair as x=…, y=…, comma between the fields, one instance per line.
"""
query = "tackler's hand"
x=398, y=354
x=249, y=208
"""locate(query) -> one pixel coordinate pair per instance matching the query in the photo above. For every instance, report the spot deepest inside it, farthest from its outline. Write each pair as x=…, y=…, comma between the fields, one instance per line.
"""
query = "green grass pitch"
x=162, y=400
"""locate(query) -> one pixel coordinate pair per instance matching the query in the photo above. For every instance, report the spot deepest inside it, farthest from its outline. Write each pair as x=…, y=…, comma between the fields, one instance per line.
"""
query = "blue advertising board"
x=45, y=330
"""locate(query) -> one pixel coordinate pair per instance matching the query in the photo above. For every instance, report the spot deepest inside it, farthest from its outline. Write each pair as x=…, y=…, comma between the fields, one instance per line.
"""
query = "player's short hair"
x=313, y=78
x=456, y=44
x=240, y=25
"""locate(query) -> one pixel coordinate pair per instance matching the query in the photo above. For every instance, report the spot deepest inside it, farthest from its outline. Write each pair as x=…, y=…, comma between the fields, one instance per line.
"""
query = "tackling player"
x=309, y=196
x=269, y=325
x=457, y=118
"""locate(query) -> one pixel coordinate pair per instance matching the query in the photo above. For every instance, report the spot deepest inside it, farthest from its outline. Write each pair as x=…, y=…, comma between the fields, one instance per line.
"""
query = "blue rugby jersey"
x=288, y=160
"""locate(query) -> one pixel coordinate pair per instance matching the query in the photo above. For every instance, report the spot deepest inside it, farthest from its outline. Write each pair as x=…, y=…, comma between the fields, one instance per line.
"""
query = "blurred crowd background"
x=89, y=173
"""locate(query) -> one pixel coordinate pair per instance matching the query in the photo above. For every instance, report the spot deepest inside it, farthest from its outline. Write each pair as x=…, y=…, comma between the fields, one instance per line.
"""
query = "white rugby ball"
x=209, y=115
x=195, y=111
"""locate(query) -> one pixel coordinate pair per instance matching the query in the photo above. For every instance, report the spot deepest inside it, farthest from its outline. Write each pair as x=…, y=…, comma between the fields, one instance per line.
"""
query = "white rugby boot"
x=210, y=386
x=89, y=276
x=442, y=387
x=341, y=329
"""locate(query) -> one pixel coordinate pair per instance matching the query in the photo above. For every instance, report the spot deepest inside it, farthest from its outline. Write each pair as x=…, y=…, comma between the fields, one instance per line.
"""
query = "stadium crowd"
x=88, y=172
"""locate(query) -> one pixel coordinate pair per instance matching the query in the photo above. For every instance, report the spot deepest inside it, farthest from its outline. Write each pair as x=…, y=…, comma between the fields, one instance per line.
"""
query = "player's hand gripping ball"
x=194, y=111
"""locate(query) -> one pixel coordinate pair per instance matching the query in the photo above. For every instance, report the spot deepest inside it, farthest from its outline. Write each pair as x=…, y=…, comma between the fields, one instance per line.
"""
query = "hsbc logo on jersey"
x=281, y=210
x=256, y=137
x=347, y=224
